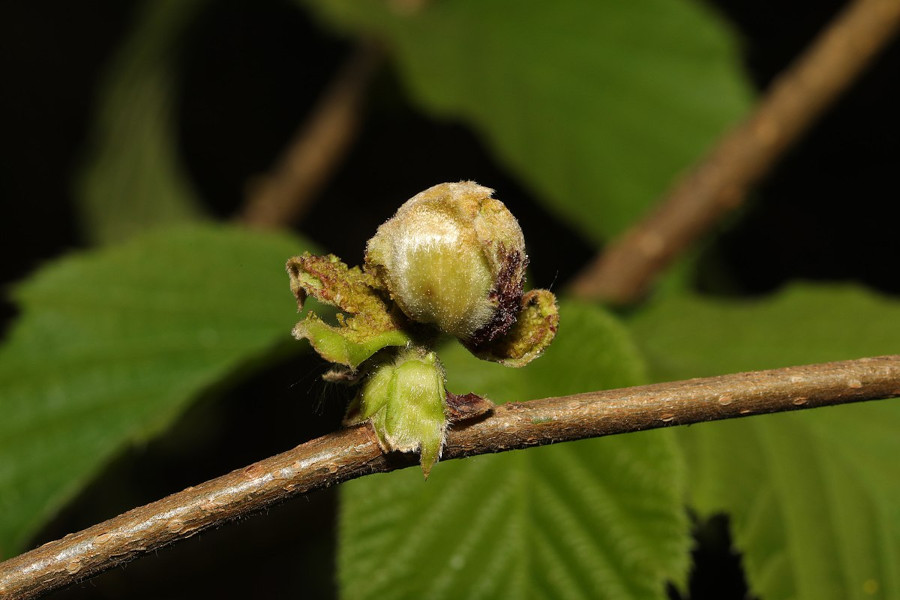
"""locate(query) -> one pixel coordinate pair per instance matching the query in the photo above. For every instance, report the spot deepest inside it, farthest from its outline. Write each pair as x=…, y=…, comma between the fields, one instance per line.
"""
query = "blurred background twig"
x=282, y=196
x=718, y=183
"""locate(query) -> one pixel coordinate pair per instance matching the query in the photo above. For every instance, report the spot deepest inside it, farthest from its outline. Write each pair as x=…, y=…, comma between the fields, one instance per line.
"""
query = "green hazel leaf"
x=596, y=105
x=592, y=519
x=813, y=496
x=113, y=344
x=133, y=179
x=343, y=345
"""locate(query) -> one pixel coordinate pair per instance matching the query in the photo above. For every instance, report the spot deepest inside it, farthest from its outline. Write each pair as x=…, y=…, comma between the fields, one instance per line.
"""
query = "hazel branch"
x=354, y=452
x=282, y=196
x=719, y=182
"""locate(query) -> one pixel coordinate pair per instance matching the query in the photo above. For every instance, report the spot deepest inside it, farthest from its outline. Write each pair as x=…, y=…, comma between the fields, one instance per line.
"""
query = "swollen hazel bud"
x=455, y=257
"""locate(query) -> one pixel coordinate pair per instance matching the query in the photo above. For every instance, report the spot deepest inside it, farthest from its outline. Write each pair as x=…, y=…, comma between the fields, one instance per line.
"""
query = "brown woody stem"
x=354, y=452
x=719, y=182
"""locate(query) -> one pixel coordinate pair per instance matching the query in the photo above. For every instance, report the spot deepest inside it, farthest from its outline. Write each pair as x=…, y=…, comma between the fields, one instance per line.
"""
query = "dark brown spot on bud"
x=507, y=296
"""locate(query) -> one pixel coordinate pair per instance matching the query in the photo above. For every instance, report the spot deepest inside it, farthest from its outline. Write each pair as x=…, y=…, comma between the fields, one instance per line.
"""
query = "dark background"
x=249, y=73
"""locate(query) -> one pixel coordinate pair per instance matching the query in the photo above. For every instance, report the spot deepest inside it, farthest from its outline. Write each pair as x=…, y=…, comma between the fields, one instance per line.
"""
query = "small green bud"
x=404, y=400
x=455, y=257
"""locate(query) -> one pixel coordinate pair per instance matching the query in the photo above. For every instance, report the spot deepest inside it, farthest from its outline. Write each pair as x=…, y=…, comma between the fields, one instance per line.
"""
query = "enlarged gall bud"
x=455, y=257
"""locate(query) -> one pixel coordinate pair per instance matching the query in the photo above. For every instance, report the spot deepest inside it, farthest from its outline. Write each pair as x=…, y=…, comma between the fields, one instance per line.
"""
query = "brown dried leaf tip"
x=373, y=325
x=533, y=331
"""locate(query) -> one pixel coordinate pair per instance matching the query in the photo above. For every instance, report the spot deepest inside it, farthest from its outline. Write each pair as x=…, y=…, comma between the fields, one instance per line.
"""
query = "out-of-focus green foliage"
x=592, y=519
x=133, y=179
x=596, y=104
x=113, y=344
x=814, y=497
